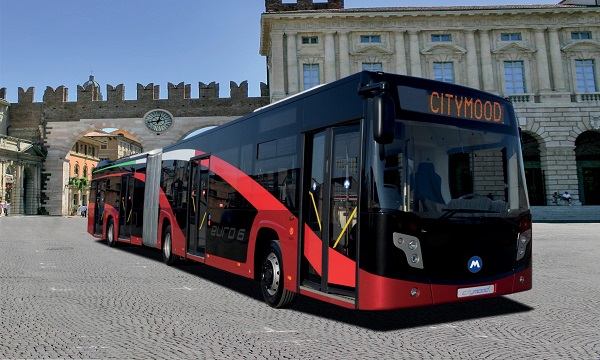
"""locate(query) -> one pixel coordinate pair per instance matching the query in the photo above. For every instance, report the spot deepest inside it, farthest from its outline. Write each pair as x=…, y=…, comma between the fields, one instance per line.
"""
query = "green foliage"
x=78, y=183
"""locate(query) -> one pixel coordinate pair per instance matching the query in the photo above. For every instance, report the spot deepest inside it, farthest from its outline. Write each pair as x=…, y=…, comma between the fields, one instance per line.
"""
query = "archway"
x=587, y=155
x=534, y=174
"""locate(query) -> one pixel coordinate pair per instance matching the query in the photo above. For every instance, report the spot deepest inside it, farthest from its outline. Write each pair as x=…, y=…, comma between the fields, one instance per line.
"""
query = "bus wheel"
x=271, y=279
x=110, y=234
x=167, y=247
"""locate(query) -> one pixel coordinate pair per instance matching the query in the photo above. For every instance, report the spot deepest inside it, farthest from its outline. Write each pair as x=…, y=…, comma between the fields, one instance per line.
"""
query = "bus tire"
x=272, y=278
x=110, y=233
x=167, y=247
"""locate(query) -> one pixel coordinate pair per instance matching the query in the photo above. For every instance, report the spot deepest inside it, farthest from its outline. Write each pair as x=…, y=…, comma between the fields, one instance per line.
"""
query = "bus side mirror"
x=383, y=117
x=382, y=110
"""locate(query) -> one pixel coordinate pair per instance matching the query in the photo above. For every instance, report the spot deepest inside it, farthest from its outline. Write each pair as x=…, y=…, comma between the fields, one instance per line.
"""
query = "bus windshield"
x=443, y=171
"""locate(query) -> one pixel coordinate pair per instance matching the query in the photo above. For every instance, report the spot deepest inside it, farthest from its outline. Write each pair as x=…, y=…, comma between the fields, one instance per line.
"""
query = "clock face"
x=158, y=120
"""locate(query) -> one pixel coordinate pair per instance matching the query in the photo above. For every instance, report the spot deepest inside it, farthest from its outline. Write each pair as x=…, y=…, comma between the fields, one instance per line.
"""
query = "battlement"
x=115, y=94
x=278, y=5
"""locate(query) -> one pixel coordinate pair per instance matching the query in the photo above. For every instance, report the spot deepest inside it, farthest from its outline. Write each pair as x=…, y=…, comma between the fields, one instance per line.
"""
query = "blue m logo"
x=475, y=264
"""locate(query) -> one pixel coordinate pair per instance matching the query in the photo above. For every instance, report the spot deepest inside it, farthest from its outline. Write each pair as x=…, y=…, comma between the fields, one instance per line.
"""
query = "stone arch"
x=532, y=146
x=61, y=136
x=587, y=156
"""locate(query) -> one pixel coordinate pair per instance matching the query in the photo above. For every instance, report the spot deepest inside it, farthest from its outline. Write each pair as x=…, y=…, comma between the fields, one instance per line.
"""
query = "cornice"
x=431, y=20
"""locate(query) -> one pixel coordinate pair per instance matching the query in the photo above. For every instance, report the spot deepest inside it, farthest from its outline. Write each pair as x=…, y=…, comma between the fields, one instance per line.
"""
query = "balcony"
x=586, y=97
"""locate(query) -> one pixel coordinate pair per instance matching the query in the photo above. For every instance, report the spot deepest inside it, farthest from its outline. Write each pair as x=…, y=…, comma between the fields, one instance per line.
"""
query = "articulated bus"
x=376, y=191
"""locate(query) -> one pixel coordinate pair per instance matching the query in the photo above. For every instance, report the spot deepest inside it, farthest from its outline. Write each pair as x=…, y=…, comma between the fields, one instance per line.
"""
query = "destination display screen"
x=455, y=105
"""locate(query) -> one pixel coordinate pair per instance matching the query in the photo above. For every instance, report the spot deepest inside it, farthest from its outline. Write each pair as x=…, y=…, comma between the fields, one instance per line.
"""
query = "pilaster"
x=487, y=70
x=541, y=60
x=415, y=53
x=344, y=54
x=276, y=62
x=330, y=74
x=556, y=60
x=472, y=66
x=292, y=62
x=401, y=67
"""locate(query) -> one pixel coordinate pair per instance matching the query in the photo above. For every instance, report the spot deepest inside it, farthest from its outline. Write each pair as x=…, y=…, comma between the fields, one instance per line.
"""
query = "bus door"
x=99, y=206
x=331, y=210
x=126, y=206
x=198, y=202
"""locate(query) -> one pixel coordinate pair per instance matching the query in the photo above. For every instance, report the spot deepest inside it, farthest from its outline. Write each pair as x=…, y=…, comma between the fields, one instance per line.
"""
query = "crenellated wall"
x=28, y=118
x=57, y=123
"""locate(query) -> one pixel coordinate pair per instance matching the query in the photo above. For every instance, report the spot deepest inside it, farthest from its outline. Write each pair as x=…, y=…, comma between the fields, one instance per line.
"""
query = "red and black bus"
x=376, y=191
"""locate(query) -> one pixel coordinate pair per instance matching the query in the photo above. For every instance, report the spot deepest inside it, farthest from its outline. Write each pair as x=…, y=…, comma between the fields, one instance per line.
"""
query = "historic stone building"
x=56, y=124
x=545, y=58
x=20, y=168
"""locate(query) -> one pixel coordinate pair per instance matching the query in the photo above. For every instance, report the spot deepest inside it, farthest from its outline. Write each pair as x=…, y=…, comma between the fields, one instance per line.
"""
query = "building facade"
x=83, y=159
x=116, y=144
x=545, y=58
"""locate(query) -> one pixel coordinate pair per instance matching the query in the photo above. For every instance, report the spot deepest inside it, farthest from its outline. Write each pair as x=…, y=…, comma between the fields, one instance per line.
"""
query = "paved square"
x=64, y=294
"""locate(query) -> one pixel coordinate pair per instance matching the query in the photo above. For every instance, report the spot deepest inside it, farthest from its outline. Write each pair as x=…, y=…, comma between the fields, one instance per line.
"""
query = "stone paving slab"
x=64, y=294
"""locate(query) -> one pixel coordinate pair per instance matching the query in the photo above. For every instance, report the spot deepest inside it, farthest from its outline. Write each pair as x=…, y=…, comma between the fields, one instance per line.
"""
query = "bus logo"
x=475, y=264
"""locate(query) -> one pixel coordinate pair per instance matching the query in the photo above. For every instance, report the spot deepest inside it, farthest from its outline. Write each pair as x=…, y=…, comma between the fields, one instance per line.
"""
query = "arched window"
x=85, y=171
x=587, y=155
x=533, y=169
x=76, y=170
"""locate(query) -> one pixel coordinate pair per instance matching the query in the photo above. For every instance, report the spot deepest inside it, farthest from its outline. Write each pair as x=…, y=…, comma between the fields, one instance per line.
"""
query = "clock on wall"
x=158, y=120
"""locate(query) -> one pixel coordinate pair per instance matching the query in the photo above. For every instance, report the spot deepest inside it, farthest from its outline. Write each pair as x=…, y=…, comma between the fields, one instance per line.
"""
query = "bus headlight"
x=411, y=247
x=522, y=242
x=414, y=258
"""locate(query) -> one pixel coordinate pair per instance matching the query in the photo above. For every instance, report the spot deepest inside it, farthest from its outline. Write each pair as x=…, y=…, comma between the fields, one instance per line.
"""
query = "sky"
x=62, y=42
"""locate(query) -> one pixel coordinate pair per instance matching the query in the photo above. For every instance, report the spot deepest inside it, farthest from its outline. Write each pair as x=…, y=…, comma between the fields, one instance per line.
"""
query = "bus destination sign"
x=455, y=105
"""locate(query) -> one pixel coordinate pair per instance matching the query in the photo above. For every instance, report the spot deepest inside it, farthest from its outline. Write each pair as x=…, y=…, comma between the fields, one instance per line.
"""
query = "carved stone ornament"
x=595, y=122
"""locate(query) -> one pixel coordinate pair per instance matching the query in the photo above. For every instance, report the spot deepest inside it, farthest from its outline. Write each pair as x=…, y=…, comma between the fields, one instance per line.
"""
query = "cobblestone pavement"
x=64, y=294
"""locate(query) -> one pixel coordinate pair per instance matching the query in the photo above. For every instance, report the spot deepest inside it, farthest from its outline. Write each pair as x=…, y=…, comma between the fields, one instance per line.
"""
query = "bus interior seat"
x=428, y=188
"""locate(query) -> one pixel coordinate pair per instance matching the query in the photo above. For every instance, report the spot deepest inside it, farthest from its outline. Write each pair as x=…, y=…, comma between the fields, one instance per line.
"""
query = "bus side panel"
x=150, y=217
x=286, y=226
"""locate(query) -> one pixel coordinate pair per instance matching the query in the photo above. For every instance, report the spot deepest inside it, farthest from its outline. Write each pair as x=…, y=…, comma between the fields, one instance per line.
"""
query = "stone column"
x=330, y=74
x=541, y=57
x=487, y=70
x=472, y=66
x=277, y=74
x=344, y=54
x=400, y=53
x=415, y=53
x=556, y=60
x=292, y=63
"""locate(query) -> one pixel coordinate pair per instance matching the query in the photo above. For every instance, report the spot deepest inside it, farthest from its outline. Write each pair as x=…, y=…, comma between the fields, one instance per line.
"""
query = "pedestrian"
x=7, y=209
x=567, y=197
x=79, y=210
x=84, y=210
